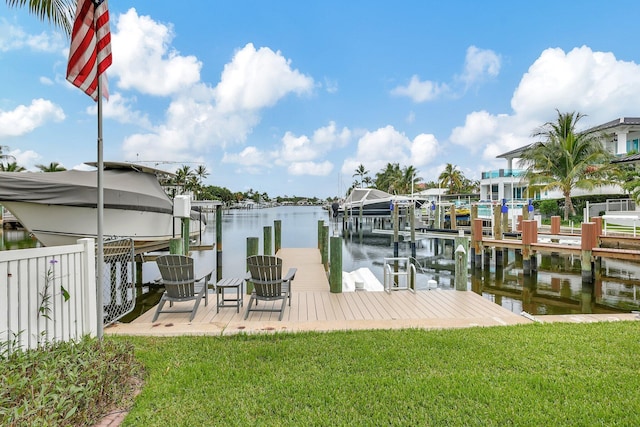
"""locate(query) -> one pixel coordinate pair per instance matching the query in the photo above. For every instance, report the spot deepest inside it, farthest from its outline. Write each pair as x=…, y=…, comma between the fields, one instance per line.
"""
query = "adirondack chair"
x=181, y=284
x=265, y=273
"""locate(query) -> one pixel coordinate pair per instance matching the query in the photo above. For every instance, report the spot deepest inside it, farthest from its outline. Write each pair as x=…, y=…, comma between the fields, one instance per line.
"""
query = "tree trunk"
x=568, y=206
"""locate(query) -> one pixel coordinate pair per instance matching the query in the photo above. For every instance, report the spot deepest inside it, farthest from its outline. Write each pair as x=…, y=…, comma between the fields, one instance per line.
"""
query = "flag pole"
x=100, y=206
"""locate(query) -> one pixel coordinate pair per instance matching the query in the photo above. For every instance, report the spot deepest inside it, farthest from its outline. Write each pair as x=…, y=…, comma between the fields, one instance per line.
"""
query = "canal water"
x=556, y=288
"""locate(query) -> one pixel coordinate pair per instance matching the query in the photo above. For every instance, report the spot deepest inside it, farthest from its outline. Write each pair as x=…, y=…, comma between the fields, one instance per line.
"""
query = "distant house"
x=621, y=136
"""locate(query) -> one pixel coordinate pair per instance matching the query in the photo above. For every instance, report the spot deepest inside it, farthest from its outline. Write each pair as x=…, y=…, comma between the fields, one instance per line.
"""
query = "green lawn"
x=533, y=375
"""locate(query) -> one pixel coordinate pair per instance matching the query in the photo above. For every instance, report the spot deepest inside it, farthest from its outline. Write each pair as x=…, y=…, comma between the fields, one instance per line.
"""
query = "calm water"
x=555, y=289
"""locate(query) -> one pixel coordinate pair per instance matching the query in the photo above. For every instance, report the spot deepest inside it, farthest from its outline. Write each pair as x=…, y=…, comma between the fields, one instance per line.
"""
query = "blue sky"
x=289, y=97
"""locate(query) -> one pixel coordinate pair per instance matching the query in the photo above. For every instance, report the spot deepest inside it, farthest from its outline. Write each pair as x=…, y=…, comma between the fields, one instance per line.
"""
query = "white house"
x=621, y=136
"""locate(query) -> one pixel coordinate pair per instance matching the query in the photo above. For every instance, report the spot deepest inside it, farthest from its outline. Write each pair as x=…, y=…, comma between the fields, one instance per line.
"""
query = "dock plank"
x=314, y=307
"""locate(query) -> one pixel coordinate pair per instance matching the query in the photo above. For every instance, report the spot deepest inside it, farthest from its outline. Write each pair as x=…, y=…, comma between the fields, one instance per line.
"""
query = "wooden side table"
x=225, y=301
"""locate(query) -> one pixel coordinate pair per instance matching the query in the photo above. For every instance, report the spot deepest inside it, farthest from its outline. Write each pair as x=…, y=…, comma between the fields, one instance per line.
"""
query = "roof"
x=628, y=159
x=622, y=121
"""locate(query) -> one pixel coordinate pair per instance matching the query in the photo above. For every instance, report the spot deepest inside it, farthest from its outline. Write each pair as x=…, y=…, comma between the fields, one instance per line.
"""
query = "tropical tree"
x=361, y=171
x=60, y=13
x=452, y=178
x=202, y=173
x=389, y=178
x=52, y=167
x=11, y=167
x=565, y=159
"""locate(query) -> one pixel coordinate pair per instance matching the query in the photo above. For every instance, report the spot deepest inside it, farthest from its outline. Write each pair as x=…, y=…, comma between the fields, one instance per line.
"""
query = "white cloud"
x=13, y=37
x=25, y=118
x=27, y=159
x=480, y=64
x=199, y=116
x=310, y=168
x=121, y=109
x=144, y=60
x=258, y=78
x=387, y=145
x=593, y=83
x=421, y=91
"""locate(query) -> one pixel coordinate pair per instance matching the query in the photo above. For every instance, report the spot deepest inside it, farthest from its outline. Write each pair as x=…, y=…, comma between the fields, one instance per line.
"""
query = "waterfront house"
x=621, y=136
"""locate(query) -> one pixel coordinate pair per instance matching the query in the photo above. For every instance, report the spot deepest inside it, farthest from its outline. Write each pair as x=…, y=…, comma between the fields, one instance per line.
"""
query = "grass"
x=526, y=375
x=557, y=374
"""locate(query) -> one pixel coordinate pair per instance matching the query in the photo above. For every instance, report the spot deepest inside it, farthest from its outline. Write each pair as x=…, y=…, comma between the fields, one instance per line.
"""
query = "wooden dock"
x=314, y=308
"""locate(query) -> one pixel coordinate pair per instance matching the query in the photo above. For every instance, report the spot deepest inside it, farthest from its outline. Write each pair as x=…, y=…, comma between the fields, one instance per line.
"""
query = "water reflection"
x=555, y=288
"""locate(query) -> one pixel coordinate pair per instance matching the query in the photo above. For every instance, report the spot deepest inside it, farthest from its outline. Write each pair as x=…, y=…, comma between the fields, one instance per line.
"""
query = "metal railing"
x=399, y=274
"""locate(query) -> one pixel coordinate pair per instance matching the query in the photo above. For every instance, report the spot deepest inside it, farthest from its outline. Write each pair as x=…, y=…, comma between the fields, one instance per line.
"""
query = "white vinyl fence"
x=47, y=294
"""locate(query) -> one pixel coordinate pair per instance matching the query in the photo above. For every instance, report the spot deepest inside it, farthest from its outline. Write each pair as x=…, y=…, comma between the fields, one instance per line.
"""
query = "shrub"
x=67, y=383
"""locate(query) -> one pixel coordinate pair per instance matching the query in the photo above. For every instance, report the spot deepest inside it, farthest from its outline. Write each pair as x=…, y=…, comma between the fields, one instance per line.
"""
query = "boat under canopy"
x=375, y=202
x=61, y=207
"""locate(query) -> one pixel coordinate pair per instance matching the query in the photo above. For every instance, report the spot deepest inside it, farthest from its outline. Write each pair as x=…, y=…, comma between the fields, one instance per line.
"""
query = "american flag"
x=90, y=52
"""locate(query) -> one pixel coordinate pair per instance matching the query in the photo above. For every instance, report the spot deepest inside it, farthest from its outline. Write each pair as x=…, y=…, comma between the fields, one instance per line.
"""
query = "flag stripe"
x=90, y=51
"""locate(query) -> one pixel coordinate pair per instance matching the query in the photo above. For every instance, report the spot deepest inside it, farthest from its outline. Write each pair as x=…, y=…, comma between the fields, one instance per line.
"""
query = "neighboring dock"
x=315, y=308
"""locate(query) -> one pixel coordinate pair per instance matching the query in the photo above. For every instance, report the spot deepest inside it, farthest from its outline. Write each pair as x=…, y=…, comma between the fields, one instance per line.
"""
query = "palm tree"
x=389, y=179
x=183, y=177
x=452, y=178
x=202, y=173
x=52, y=167
x=11, y=167
x=60, y=13
x=361, y=171
x=566, y=159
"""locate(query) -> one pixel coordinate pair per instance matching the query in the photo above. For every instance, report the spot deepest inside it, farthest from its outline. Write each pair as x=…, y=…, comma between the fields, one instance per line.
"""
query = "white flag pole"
x=100, y=208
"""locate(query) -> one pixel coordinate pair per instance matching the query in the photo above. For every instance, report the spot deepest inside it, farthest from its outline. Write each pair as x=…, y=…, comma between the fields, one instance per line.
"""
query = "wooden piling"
x=267, y=243
x=529, y=236
x=320, y=231
x=476, y=236
x=497, y=232
x=175, y=246
x=453, y=222
x=335, y=273
x=277, y=234
x=461, y=269
x=325, y=247
x=252, y=249
x=185, y=235
x=588, y=241
x=218, y=242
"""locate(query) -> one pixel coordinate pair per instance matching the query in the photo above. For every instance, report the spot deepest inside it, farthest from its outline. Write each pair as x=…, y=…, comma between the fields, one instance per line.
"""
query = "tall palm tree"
x=566, y=159
x=361, y=171
x=52, y=167
x=452, y=178
x=202, y=173
x=60, y=13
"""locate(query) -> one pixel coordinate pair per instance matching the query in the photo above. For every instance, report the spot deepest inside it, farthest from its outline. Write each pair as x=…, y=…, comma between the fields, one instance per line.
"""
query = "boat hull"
x=55, y=225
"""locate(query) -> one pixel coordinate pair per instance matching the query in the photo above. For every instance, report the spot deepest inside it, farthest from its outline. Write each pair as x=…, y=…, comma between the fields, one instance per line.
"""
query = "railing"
x=399, y=274
x=47, y=294
x=503, y=173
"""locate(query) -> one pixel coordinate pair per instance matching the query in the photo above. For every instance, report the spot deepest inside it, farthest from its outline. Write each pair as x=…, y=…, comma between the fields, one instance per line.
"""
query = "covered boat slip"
x=313, y=307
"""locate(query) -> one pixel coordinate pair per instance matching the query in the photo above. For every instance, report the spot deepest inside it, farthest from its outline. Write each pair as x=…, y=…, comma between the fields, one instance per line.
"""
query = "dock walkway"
x=315, y=308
